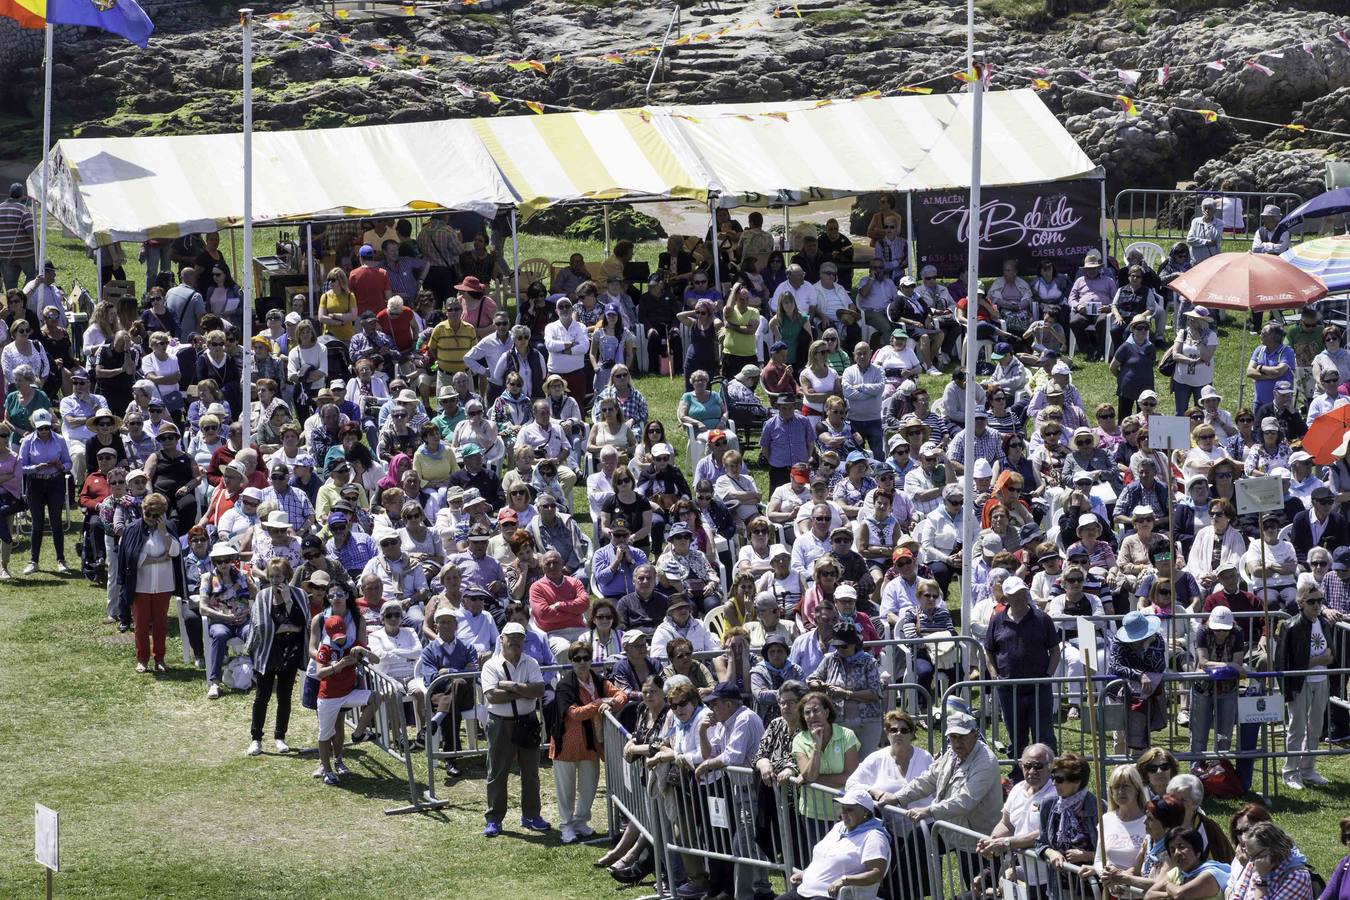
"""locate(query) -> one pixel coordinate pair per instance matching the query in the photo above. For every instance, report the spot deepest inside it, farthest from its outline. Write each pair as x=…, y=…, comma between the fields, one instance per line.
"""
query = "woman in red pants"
x=149, y=560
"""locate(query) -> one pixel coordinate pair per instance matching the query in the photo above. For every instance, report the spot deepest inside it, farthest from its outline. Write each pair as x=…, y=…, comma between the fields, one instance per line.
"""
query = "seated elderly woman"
x=743, y=406
x=854, y=854
x=1069, y=824
x=1191, y=792
x=1275, y=869
x=884, y=772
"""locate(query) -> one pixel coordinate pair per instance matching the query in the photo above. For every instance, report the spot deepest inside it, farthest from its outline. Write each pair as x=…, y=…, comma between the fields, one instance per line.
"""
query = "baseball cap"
x=859, y=798
x=1220, y=619
x=959, y=723
x=366, y=250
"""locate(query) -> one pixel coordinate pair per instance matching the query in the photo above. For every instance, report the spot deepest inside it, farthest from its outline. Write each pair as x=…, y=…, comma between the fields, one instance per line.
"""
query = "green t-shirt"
x=734, y=343
x=816, y=804
x=1306, y=344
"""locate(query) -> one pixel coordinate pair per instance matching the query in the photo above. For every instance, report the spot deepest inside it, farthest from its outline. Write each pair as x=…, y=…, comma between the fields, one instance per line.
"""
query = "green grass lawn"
x=158, y=800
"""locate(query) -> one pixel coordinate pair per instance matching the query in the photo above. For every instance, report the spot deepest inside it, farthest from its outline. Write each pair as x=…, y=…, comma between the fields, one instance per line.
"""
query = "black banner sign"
x=1030, y=223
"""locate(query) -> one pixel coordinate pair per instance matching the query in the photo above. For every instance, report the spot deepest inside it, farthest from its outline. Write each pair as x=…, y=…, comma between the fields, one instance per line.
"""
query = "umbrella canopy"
x=1328, y=258
x=1326, y=433
x=1331, y=203
x=1250, y=281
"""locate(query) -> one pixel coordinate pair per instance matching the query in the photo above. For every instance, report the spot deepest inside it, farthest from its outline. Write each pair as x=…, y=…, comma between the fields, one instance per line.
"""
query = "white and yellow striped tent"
x=758, y=154
x=129, y=189
x=773, y=153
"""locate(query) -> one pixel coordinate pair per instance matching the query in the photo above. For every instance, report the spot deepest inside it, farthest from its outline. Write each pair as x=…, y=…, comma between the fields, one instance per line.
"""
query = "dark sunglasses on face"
x=1160, y=767
x=1061, y=779
x=900, y=729
x=1032, y=766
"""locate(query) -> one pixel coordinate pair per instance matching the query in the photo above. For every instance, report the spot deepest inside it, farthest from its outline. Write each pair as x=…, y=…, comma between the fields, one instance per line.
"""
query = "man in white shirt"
x=548, y=440
x=512, y=685
x=803, y=291
x=831, y=300
x=598, y=486
x=476, y=627
x=567, y=347
x=812, y=544
x=875, y=294
x=76, y=410
x=42, y=292
x=1020, y=824
x=482, y=358
x=1264, y=240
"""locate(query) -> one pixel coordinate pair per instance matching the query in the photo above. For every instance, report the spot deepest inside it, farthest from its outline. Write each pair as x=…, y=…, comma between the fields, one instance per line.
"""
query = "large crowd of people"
x=478, y=501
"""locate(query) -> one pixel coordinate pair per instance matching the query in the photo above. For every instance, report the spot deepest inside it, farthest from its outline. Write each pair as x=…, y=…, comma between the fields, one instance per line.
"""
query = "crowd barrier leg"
x=629, y=793
x=391, y=737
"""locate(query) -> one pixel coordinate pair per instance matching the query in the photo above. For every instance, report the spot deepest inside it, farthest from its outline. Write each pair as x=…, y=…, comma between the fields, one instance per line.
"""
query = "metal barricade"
x=1163, y=217
x=631, y=794
x=898, y=656
x=719, y=819
x=391, y=736
x=920, y=707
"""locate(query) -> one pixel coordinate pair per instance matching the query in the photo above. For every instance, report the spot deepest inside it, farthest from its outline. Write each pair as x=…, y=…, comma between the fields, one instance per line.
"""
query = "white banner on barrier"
x=1263, y=710
x=717, y=813
x=1087, y=644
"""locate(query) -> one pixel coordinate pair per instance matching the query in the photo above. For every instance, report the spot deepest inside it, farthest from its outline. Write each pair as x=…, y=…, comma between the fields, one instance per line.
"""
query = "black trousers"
x=1087, y=331
x=440, y=281
x=779, y=476
x=46, y=501
x=278, y=680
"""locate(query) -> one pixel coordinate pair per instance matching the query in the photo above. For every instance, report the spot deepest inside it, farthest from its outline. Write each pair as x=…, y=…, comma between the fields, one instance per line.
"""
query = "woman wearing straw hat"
x=1137, y=656
x=1193, y=352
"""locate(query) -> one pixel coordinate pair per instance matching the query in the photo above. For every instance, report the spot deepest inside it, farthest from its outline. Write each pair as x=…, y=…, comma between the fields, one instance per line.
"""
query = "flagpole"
x=246, y=277
x=46, y=144
x=970, y=525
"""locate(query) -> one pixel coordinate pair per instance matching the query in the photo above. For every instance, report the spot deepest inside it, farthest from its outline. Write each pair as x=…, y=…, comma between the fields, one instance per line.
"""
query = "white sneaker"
x=62, y=568
x=1293, y=781
x=254, y=748
x=1314, y=779
x=213, y=692
x=568, y=835
x=5, y=576
x=282, y=746
x=934, y=370
x=30, y=568
x=319, y=772
x=199, y=665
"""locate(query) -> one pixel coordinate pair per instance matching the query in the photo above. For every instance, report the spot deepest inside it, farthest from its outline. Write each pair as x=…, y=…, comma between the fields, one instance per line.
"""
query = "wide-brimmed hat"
x=471, y=285
x=1092, y=260
x=1084, y=432
x=104, y=413
x=1138, y=626
x=277, y=519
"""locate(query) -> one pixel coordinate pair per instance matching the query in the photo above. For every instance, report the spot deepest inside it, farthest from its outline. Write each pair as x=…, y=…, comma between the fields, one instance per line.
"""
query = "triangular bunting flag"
x=1164, y=73
x=1256, y=66
x=1128, y=76
x=906, y=89
x=534, y=107
x=1040, y=84
x=1208, y=115
x=1127, y=104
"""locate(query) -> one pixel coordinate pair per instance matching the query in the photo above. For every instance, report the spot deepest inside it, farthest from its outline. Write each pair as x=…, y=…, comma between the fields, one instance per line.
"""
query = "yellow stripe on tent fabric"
x=669, y=169
x=514, y=149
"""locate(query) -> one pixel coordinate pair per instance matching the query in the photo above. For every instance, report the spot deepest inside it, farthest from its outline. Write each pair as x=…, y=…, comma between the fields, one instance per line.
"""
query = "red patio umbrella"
x=1255, y=282
x=1326, y=433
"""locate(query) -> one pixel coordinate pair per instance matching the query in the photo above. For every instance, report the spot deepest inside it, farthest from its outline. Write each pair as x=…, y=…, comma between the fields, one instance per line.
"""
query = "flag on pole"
x=121, y=17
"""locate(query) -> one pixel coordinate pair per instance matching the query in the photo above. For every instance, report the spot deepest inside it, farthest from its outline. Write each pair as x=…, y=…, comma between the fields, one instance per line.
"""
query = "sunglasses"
x=1032, y=766
x=1161, y=767
x=579, y=659
x=680, y=704
x=685, y=655
x=1061, y=779
x=900, y=729
x=393, y=615
x=1073, y=581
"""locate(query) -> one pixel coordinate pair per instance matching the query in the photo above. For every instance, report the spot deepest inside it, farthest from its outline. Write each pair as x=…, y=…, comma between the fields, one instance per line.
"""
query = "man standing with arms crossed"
x=512, y=686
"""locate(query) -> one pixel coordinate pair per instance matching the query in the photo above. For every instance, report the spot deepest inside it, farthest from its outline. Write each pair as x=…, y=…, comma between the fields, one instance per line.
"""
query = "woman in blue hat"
x=1137, y=657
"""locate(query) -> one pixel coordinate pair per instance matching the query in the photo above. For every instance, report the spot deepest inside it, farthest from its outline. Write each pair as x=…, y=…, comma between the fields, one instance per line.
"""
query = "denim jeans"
x=1211, y=710
x=1186, y=395
x=873, y=433
x=156, y=261
x=221, y=634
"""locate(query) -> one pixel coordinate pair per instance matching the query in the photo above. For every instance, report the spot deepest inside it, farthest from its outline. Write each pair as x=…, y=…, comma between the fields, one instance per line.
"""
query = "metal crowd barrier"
x=631, y=795
x=963, y=871
x=391, y=736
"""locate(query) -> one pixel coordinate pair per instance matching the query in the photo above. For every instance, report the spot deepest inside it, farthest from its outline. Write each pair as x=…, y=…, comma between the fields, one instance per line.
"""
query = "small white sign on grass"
x=46, y=837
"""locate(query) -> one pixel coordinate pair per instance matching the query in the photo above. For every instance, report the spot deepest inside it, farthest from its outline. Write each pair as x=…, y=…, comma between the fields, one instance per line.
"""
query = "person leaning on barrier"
x=1277, y=870
x=729, y=737
x=855, y=853
x=1305, y=643
x=1023, y=642
x=512, y=687
x=583, y=697
x=826, y=753
x=632, y=858
x=768, y=676
x=963, y=781
x=851, y=677
x=1069, y=824
x=882, y=773
x=447, y=655
x=279, y=617
x=1019, y=825
x=1136, y=656
x=673, y=776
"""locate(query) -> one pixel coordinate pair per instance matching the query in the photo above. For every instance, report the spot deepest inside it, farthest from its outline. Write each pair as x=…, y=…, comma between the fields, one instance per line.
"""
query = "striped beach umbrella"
x=1328, y=258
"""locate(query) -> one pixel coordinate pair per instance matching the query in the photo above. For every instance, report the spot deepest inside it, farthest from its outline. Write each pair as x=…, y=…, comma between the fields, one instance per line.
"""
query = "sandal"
x=1073, y=714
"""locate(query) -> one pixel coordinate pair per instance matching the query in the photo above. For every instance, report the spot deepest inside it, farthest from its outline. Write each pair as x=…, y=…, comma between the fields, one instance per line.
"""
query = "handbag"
x=1219, y=778
x=1167, y=365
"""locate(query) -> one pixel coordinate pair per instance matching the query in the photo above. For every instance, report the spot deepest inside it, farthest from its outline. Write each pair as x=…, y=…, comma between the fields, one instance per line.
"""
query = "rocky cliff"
x=399, y=67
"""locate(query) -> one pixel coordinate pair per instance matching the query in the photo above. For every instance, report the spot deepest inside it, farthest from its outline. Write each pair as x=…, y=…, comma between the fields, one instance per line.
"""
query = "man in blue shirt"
x=445, y=656
x=1273, y=361
x=785, y=439
x=614, y=563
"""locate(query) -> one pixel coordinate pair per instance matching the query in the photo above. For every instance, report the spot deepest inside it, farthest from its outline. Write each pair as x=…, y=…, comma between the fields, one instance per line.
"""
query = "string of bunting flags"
x=1038, y=79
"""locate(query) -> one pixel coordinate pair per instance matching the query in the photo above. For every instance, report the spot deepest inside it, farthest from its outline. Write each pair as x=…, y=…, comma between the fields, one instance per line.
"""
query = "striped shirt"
x=16, y=231
x=449, y=344
x=440, y=244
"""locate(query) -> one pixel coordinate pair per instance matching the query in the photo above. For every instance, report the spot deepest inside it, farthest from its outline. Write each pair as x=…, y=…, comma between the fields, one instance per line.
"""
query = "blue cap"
x=680, y=529
x=856, y=456
x=612, y=309
x=725, y=690
x=1002, y=349
x=776, y=346
x=366, y=250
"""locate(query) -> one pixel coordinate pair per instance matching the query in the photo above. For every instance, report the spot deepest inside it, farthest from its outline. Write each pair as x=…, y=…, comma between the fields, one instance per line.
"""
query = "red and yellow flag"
x=1127, y=104
x=535, y=107
x=28, y=13
x=1208, y=115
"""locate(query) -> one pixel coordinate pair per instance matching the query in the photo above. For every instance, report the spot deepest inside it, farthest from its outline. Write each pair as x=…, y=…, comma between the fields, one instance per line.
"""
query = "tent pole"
x=515, y=259
x=309, y=267
x=46, y=144
x=970, y=39
x=970, y=522
x=1102, y=187
x=98, y=274
x=787, y=230
x=716, y=250
x=1242, y=374
x=246, y=20
x=909, y=231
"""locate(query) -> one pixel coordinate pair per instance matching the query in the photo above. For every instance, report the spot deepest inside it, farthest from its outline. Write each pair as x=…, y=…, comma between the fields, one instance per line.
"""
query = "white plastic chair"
x=1153, y=254
x=179, y=607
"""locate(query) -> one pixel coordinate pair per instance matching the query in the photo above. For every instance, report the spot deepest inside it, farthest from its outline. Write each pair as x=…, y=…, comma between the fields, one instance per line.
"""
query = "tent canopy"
x=839, y=149
x=757, y=154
